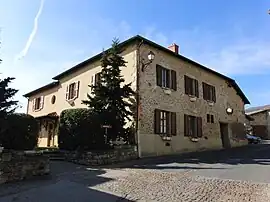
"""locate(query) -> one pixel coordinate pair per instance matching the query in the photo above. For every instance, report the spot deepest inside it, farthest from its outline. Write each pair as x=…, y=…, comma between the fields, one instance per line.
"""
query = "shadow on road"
x=251, y=154
x=67, y=182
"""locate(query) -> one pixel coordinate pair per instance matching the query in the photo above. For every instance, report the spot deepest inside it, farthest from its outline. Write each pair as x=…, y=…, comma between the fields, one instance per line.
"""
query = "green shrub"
x=79, y=130
x=19, y=132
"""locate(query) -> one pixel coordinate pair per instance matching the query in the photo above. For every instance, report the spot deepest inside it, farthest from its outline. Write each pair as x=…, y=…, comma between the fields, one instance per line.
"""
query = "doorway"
x=224, y=135
x=50, y=135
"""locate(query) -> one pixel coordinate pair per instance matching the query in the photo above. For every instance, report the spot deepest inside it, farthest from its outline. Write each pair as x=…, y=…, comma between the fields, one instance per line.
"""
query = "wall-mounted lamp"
x=229, y=110
x=150, y=57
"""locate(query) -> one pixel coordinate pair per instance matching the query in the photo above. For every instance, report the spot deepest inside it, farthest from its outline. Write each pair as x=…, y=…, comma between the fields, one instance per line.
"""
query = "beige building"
x=183, y=106
x=261, y=120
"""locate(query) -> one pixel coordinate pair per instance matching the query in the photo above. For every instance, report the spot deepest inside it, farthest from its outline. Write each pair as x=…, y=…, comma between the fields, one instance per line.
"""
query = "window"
x=38, y=103
x=73, y=90
x=166, y=78
x=53, y=99
x=191, y=86
x=210, y=118
x=97, y=78
x=165, y=122
x=193, y=126
x=209, y=92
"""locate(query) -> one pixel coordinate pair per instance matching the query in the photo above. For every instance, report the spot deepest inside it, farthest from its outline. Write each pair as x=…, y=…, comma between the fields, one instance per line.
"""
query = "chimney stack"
x=174, y=48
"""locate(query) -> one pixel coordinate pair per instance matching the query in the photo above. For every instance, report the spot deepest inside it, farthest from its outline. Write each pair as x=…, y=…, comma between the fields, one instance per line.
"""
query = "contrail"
x=33, y=33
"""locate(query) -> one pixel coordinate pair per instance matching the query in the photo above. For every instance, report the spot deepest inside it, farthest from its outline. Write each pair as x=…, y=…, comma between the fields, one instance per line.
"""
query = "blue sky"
x=231, y=37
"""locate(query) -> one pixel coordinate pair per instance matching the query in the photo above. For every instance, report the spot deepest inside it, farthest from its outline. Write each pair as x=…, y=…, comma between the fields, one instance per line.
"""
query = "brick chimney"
x=174, y=48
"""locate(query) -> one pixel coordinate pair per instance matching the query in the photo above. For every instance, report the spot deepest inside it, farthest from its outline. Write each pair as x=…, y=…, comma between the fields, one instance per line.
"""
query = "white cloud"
x=239, y=59
x=24, y=52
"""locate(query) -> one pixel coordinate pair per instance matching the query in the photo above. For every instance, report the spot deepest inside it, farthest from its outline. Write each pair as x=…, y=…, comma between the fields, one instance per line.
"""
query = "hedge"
x=19, y=132
x=79, y=130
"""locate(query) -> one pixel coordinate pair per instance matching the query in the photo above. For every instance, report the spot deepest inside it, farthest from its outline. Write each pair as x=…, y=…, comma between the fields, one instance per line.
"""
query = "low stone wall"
x=102, y=158
x=16, y=166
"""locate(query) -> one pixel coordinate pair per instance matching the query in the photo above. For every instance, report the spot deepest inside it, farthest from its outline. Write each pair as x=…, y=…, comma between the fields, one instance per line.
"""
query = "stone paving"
x=155, y=185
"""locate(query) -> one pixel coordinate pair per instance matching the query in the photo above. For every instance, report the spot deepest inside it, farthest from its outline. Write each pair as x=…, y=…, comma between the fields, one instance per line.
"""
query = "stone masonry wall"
x=259, y=118
x=154, y=97
x=16, y=166
x=102, y=158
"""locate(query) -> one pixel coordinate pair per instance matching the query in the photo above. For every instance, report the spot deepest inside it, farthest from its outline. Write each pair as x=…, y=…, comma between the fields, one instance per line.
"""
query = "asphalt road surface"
x=240, y=174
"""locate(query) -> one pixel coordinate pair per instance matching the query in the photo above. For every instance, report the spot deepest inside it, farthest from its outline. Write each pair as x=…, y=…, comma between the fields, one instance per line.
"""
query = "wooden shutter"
x=199, y=126
x=67, y=93
x=76, y=89
x=204, y=91
x=168, y=78
x=173, y=79
x=173, y=123
x=92, y=81
x=196, y=88
x=157, y=121
x=159, y=75
x=41, y=102
x=214, y=94
x=186, y=85
x=186, y=125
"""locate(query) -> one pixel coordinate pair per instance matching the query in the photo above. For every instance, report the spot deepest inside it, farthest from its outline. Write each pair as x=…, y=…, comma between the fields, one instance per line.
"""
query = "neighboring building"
x=261, y=120
x=183, y=106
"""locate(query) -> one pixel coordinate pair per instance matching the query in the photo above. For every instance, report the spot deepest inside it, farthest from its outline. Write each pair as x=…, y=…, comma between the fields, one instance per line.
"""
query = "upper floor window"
x=166, y=78
x=191, y=86
x=38, y=103
x=192, y=126
x=165, y=122
x=95, y=80
x=209, y=92
x=210, y=118
x=73, y=90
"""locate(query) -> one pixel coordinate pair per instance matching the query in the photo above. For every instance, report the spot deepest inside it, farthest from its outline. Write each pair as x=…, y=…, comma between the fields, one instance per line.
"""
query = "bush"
x=19, y=132
x=79, y=130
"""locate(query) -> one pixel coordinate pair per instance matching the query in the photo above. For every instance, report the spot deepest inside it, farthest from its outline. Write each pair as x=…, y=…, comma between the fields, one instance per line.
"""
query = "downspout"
x=138, y=65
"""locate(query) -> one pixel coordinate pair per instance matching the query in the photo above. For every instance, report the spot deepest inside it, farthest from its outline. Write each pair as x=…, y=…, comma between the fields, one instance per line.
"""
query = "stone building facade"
x=261, y=121
x=182, y=105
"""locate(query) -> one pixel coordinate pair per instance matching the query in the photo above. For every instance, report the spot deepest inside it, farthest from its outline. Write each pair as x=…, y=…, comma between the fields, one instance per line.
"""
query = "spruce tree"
x=7, y=104
x=109, y=99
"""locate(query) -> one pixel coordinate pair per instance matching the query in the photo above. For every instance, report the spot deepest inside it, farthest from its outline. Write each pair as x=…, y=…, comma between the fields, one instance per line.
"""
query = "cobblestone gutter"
x=16, y=166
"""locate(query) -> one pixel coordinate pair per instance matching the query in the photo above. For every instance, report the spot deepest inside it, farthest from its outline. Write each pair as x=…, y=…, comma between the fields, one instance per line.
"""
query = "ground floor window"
x=193, y=126
x=165, y=122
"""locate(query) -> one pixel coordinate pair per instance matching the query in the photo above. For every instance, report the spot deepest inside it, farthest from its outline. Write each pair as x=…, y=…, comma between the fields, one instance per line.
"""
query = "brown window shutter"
x=158, y=74
x=196, y=88
x=186, y=125
x=214, y=94
x=186, y=84
x=97, y=79
x=199, y=126
x=157, y=121
x=173, y=78
x=173, y=123
x=204, y=91
x=77, y=89
x=168, y=78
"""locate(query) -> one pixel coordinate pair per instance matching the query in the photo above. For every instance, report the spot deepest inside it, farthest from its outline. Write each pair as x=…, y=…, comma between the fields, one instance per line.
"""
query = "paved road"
x=235, y=175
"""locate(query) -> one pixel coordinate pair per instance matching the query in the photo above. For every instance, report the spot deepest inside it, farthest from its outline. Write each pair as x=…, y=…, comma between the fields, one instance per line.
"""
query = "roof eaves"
x=48, y=86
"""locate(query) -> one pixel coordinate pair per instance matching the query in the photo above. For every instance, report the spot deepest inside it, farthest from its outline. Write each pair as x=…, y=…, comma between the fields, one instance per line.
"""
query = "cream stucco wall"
x=83, y=75
x=153, y=96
